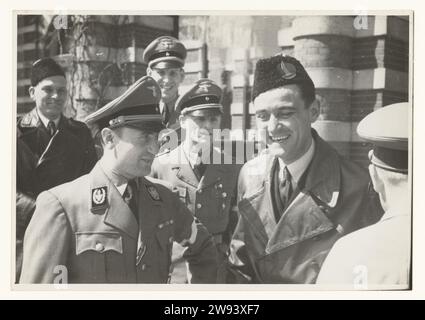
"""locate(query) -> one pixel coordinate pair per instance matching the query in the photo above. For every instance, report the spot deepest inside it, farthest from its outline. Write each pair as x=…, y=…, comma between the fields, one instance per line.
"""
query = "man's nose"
x=273, y=124
x=166, y=78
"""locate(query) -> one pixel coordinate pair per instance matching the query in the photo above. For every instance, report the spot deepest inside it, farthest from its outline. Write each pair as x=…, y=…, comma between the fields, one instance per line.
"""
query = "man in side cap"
x=51, y=149
x=378, y=257
x=165, y=57
x=299, y=196
x=196, y=169
x=113, y=225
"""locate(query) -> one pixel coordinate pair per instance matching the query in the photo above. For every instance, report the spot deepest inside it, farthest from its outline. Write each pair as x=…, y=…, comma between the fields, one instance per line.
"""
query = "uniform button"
x=161, y=225
x=199, y=206
x=171, y=221
x=223, y=206
x=143, y=267
x=224, y=194
x=170, y=239
x=99, y=247
x=220, y=186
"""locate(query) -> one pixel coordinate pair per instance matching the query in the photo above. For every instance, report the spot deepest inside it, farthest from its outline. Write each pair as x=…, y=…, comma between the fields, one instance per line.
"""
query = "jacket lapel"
x=62, y=137
x=117, y=213
x=324, y=176
x=308, y=214
x=182, y=167
x=302, y=220
x=213, y=172
x=150, y=212
x=258, y=208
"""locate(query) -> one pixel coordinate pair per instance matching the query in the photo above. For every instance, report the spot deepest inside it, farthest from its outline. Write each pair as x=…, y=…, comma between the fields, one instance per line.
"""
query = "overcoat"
x=334, y=201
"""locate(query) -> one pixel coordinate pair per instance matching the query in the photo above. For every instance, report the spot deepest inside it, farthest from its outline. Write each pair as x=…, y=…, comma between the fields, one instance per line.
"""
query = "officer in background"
x=196, y=169
x=165, y=57
x=379, y=256
x=51, y=148
x=299, y=196
x=113, y=225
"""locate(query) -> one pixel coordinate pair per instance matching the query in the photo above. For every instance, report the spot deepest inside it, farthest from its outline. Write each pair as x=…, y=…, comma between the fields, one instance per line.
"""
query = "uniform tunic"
x=86, y=226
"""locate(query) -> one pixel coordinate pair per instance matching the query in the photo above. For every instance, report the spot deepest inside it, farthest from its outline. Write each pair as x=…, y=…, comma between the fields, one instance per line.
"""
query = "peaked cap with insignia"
x=387, y=129
x=205, y=94
x=165, y=52
x=137, y=107
x=278, y=71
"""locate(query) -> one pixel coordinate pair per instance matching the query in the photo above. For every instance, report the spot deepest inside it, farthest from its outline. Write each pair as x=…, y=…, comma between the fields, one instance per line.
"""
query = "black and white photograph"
x=213, y=149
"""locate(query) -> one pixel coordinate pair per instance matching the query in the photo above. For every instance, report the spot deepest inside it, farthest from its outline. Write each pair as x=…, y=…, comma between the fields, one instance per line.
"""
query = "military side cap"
x=387, y=129
x=44, y=68
x=165, y=52
x=205, y=94
x=278, y=71
x=137, y=107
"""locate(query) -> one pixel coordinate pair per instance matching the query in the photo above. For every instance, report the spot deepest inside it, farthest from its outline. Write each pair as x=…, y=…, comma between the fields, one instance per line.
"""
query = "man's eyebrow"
x=286, y=108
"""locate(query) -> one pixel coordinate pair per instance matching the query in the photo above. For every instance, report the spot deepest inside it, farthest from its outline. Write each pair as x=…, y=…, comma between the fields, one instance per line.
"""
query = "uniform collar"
x=120, y=187
x=34, y=119
x=298, y=167
x=46, y=121
x=395, y=213
x=116, y=212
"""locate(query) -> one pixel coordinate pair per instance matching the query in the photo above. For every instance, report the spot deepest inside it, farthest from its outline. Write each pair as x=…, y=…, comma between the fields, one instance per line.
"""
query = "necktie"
x=129, y=197
x=285, y=188
x=52, y=128
x=199, y=167
x=165, y=114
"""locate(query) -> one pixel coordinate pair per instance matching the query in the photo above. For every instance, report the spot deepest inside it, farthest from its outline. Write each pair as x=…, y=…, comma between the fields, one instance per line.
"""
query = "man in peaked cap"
x=113, y=225
x=51, y=149
x=379, y=256
x=205, y=184
x=299, y=196
x=165, y=57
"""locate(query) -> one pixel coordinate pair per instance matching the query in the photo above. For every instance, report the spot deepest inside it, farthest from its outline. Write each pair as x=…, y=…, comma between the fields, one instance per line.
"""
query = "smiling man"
x=195, y=169
x=165, y=57
x=51, y=149
x=299, y=196
x=113, y=225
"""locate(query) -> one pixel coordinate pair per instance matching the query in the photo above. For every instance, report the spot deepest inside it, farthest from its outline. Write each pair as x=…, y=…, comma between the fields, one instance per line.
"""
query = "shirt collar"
x=121, y=188
x=45, y=121
x=298, y=167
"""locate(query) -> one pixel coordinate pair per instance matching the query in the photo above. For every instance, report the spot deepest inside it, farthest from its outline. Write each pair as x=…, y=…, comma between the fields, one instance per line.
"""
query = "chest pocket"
x=99, y=257
x=98, y=242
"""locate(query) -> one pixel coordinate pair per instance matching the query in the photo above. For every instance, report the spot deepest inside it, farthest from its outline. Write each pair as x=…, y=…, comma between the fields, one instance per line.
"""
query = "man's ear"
x=182, y=74
x=109, y=138
x=182, y=121
x=377, y=183
x=314, y=110
x=31, y=91
x=148, y=71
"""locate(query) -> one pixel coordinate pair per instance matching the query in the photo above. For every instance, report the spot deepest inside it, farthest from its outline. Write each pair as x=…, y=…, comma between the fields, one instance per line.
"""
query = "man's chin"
x=276, y=150
x=167, y=95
